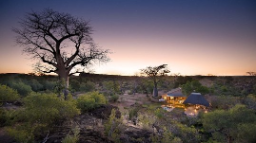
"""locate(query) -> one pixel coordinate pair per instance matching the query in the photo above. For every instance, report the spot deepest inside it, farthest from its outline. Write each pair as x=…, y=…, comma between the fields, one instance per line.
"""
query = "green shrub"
x=48, y=85
x=74, y=84
x=87, y=86
x=114, y=98
x=112, y=127
x=133, y=112
x=46, y=108
x=72, y=138
x=146, y=118
x=111, y=87
x=190, y=86
x=146, y=86
x=39, y=113
x=187, y=134
x=22, y=88
x=20, y=135
x=90, y=100
x=7, y=94
x=224, y=102
x=7, y=117
x=159, y=113
x=34, y=84
x=232, y=124
x=250, y=101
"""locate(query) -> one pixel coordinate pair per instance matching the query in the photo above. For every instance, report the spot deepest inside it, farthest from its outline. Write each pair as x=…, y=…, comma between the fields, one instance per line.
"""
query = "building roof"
x=196, y=98
x=177, y=92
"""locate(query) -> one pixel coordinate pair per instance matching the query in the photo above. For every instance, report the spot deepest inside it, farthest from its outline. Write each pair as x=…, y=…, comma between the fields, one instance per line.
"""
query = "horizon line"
x=208, y=75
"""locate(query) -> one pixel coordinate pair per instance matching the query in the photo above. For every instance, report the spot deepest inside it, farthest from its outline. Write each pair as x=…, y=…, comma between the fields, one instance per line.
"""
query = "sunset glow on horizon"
x=192, y=37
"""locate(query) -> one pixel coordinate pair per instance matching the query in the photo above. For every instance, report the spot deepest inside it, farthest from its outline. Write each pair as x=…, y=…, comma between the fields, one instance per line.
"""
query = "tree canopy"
x=154, y=73
x=62, y=43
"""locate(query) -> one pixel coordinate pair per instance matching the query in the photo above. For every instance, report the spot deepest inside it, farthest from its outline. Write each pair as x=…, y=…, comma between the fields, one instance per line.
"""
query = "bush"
x=20, y=135
x=250, y=101
x=111, y=87
x=46, y=108
x=232, y=124
x=187, y=134
x=87, y=86
x=90, y=100
x=22, y=88
x=146, y=86
x=7, y=94
x=40, y=112
x=72, y=138
x=224, y=102
x=34, y=84
x=190, y=86
x=7, y=117
x=112, y=127
x=48, y=85
x=133, y=112
x=114, y=98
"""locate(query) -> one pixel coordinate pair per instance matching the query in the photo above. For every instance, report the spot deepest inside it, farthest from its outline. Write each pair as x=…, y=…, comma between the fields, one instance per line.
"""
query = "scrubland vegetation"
x=32, y=110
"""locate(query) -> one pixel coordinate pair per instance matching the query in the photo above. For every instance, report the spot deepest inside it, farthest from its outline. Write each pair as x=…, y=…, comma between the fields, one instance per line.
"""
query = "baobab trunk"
x=155, y=91
x=64, y=79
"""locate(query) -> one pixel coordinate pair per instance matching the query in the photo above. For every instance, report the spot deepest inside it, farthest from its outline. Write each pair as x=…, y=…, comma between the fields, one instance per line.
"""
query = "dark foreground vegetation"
x=31, y=110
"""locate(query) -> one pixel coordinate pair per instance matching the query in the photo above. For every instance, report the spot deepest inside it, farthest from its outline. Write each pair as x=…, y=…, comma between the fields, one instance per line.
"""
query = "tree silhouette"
x=154, y=73
x=49, y=37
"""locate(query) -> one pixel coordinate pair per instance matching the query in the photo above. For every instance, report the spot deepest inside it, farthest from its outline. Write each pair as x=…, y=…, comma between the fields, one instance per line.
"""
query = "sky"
x=194, y=37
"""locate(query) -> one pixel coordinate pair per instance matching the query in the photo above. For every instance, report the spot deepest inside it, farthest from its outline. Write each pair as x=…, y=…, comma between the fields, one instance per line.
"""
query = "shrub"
x=48, y=85
x=146, y=86
x=22, y=88
x=113, y=127
x=232, y=124
x=111, y=87
x=133, y=112
x=20, y=135
x=46, y=108
x=190, y=86
x=187, y=134
x=114, y=98
x=146, y=118
x=90, y=100
x=40, y=112
x=250, y=101
x=168, y=137
x=72, y=138
x=159, y=113
x=8, y=117
x=87, y=86
x=35, y=85
x=74, y=84
x=7, y=94
x=224, y=102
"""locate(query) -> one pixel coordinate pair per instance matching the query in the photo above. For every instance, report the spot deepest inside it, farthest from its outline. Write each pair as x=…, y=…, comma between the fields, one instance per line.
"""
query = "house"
x=174, y=97
x=196, y=99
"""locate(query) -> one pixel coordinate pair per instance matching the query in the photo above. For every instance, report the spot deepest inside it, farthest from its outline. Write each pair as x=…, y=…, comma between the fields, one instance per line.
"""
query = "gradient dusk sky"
x=192, y=36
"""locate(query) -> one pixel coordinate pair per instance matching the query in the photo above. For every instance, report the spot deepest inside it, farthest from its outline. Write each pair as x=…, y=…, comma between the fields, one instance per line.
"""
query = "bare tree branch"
x=43, y=34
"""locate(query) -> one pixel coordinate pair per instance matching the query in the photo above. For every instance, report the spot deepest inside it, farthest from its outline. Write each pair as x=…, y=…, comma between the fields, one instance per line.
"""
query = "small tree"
x=155, y=73
x=47, y=34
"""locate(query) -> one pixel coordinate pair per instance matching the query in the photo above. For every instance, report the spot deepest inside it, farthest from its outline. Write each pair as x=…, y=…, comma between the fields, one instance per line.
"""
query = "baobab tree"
x=61, y=43
x=155, y=73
